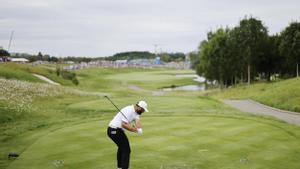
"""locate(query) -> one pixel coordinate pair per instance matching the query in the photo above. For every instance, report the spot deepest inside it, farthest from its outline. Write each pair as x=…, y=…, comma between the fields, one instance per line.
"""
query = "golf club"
x=116, y=107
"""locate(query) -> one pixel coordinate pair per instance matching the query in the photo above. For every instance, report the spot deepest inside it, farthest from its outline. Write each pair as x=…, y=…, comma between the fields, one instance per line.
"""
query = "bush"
x=69, y=76
x=75, y=81
x=57, y=71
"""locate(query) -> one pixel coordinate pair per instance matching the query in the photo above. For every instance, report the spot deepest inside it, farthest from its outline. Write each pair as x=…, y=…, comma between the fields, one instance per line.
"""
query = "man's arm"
x=138, y=126
x=128, y=127
x=138, y=123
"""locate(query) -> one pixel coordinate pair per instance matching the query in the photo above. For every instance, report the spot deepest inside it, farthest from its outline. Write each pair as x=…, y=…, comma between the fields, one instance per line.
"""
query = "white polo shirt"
x=130, y=114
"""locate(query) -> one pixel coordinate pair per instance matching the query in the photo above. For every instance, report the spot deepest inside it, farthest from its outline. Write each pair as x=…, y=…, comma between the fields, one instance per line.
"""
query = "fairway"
x=65, y=127
x=186, y=142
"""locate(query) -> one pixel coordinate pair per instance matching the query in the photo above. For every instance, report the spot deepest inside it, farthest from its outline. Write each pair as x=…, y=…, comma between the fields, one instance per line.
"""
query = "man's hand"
x=140, y=131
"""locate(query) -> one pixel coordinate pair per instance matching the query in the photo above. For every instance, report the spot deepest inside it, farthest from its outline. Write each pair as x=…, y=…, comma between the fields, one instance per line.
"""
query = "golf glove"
x=140, y=131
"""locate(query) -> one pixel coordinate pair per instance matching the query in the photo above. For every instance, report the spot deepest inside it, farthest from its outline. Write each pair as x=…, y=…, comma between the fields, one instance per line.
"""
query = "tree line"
x=165, y=57
x=247, y=52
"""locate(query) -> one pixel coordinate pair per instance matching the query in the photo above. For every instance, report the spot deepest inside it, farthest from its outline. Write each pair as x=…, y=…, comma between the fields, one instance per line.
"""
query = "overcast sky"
x=104, y=27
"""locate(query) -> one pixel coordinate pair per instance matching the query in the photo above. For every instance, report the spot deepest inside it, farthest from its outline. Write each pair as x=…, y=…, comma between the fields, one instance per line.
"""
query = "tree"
x=251, y=34
x=40, y=56
x=290, y=45
x=4, y=53
x=177, y=57
x=236, y=55
x=195, y=59
x=271, y=62
x=215, y=57
x=172, y=57
x=53, y=59
x=165, y=57
x=46, y=58
x=133, y=55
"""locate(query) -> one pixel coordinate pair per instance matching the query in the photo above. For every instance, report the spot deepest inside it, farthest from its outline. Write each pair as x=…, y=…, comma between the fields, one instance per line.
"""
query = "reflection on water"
x=187, y=87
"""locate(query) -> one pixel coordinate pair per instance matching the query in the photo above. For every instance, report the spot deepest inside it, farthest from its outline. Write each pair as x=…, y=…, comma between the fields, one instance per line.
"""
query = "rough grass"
x=11, y=73
x=283, y=95
x=24, y=72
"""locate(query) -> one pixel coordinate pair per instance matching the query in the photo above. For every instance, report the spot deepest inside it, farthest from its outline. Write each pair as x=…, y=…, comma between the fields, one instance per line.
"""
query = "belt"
x=114, y=127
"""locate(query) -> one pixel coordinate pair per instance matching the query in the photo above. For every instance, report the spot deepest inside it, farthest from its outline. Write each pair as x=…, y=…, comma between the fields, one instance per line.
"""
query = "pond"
x=186, y=87
x=200, y=86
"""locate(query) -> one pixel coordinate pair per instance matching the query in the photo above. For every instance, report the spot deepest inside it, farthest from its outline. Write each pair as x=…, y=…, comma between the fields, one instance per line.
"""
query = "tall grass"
x=24, y=72
x=283, y=95
x=8, y=72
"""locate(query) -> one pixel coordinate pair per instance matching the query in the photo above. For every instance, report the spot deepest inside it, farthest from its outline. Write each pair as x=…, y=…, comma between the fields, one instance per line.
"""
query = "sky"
x=98, y=28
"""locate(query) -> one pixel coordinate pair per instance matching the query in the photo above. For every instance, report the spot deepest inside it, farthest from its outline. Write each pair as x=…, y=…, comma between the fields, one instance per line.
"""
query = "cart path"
x=252, y=106
x=45, y=79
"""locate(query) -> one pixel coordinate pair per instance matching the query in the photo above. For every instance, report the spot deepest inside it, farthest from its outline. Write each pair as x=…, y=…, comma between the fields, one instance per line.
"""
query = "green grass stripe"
x=168, y=142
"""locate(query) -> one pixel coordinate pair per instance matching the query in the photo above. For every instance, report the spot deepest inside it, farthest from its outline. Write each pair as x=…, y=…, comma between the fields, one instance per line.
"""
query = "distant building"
x=39, y=62
x=19, y=60
x=157, y=61
x=140, y=62
x=121, y=62
x=69, y=62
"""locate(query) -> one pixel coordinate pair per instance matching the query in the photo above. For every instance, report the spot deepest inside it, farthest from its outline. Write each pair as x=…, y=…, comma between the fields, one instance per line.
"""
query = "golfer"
x=116, y=130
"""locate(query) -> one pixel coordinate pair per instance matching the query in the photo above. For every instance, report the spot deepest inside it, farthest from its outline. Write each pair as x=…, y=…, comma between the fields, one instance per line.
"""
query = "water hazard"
x=200, y=86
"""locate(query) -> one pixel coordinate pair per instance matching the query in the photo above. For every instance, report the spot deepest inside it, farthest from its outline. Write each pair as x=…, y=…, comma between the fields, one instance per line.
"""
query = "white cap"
x=143, y=105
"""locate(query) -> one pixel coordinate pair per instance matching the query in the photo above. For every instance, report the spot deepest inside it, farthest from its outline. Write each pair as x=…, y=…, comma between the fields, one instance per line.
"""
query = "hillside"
x=24, y=72
x=284, y=94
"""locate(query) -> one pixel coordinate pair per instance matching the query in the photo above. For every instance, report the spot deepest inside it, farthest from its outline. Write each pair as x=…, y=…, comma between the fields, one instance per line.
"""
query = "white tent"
x=19, y=60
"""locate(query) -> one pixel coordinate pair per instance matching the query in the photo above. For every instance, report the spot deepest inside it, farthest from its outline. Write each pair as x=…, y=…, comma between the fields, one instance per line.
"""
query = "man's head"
x=141, y=107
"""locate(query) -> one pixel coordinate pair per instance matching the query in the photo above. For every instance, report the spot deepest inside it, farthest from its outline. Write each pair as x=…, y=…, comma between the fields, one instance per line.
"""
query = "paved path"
x=45, y=79
x=251, y=106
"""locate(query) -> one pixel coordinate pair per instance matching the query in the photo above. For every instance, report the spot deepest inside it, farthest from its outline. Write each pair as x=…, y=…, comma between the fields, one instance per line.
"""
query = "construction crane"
x=10, y=39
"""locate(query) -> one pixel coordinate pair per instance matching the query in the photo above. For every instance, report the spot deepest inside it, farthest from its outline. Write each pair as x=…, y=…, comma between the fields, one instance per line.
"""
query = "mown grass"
x=153, y=80
x=283, y=95
x=119, y=80
x=173, y=142
x=182, y=130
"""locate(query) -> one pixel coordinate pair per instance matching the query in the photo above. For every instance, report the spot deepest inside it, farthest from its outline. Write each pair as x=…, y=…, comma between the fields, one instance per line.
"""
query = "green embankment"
x=283, y=94
x=12, y=71
x=65, y=127
x=25, y=72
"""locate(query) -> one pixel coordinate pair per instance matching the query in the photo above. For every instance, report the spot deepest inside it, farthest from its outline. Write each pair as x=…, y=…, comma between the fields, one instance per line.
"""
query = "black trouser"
x=121, y=140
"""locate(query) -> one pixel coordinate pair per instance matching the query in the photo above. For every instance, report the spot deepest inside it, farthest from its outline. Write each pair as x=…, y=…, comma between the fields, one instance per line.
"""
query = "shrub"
x=75, y=81
x=57, y=71
x=69, y=76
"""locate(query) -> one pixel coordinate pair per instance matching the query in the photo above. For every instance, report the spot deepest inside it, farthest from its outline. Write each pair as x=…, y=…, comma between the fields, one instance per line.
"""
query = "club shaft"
x=116, y=107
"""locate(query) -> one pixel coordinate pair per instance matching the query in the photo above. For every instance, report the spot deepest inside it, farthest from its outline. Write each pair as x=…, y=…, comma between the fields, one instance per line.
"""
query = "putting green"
x=176, y=142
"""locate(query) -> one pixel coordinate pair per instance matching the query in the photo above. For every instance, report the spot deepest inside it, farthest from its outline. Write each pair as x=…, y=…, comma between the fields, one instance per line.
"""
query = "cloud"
x=104, y=27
